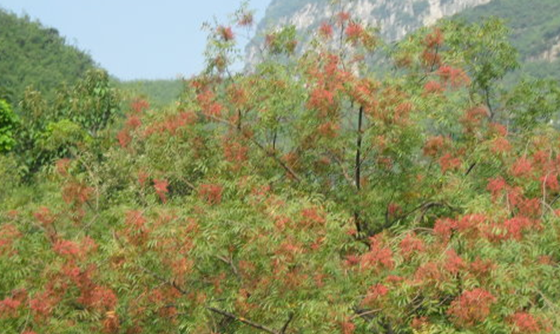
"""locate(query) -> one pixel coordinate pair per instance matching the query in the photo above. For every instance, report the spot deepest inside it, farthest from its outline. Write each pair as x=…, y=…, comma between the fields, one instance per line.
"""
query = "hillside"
x=158, y=92
x=535, y=31
x=32, y=54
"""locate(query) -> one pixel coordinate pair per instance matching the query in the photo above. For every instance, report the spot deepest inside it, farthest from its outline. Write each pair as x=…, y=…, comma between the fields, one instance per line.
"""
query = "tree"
x=313, y=195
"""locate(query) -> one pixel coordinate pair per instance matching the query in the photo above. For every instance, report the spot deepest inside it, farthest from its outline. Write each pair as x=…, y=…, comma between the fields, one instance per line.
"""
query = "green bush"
x=7, y=126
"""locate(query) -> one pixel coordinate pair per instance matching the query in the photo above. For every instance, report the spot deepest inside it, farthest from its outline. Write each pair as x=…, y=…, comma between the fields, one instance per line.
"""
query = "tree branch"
x=269, y=153
x=242, y=320
x=285, y=327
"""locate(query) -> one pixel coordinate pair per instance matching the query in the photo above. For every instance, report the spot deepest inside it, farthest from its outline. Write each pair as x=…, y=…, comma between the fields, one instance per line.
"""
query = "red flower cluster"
x=375, y=292
x=72, y=249
x=161, y=188
x=455, y=77
x=9, y=307
x=428, y=273
x=411, y=245
x=434, y=146
x=326, y=30
x=225, y=33
x=235, y=152
x=525, y=323
x=208, y=105
x=245, y=20
x=522, y=168
x=139, y=105
x=434, y=39
x=378, y=256
x=211, y=193
x=62, y=166
x=124, y=138
x=472, y=307
x=354, y=31
x=443, y=228
x=342, y=17
x=312, y=216
x=328, y=129
x=76, y=193
x=322, y=100
x=44, y=216
x=8, y=235
x=348, y=327
x=501, y=145
x=453, y=262
x=448, y=162
x=172, y=123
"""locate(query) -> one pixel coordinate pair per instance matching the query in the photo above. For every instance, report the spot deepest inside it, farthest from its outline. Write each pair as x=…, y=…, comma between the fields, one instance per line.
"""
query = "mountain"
x=535, y=25
x=32, y=54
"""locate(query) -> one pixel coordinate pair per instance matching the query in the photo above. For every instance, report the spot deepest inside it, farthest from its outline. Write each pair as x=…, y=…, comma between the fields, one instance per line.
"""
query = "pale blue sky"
x=135, y=39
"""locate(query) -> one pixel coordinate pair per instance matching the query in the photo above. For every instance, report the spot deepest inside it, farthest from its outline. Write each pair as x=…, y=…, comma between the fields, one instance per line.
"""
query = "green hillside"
x=32, y=54
x=159, y=92
x=535, y=28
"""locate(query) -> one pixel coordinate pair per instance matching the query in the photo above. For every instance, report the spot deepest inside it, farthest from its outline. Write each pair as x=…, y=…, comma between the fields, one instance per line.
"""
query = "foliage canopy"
x=310, y=196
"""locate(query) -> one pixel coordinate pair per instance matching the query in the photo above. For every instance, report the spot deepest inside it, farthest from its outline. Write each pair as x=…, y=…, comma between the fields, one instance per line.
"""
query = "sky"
x=135, y=39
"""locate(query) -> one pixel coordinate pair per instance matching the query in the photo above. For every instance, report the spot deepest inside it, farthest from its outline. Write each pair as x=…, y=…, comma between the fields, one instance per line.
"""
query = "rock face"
x=552, y=54
x=395, y=18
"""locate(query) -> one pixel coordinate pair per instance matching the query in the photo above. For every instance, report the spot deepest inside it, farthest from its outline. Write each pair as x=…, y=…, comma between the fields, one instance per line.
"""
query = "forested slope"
x=535, y=32
x=34, y=55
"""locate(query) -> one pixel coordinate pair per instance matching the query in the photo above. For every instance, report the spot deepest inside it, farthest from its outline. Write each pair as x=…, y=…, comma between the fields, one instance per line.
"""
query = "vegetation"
x=160, y=93
x=535, y=27
x=33, y=55
x=310, y=196
x=76, y=116
x=7, y=125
